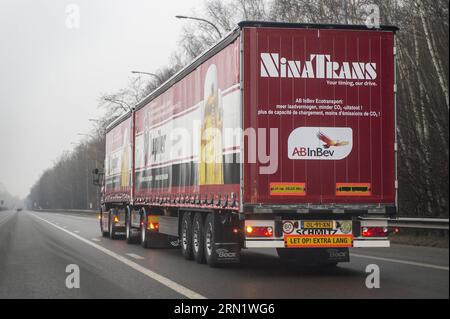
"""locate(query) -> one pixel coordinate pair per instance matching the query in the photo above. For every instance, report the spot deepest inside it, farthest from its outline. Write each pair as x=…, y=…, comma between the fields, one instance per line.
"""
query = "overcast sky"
x=51, y=76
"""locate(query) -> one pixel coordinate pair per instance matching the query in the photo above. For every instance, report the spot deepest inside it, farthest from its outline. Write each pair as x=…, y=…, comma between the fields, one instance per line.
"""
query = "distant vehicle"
x=19, y=209
x=315, y=106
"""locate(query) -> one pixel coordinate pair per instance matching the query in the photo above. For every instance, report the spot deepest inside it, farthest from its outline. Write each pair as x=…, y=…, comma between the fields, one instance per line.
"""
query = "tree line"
x=7, y=201
x=423, y=97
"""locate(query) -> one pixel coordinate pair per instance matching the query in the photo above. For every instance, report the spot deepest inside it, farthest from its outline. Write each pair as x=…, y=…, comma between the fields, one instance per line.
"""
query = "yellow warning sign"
x=287, y=189
x=313, y=241
x=353, y=189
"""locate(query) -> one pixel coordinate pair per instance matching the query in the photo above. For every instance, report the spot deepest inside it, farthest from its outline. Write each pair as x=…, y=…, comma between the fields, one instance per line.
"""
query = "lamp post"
x=148, y=73
x=202, y=20
x=97, y=121
x=87, y=135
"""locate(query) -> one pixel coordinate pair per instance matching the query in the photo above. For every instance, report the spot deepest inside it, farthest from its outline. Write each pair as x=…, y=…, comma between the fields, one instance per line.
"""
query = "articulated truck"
x=280, y=136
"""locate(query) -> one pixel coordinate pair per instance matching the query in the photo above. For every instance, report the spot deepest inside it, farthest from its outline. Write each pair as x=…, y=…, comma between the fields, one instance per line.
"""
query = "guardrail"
x=421, y=223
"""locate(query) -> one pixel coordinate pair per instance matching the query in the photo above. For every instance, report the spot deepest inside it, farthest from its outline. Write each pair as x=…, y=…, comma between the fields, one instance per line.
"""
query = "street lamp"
x=87, y=135
x=96, y=120
x=203, y=20
x=148, y=73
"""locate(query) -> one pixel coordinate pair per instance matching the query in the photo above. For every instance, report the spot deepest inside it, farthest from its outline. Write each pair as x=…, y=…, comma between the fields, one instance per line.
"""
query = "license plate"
x=313, y=241
x=317, y=224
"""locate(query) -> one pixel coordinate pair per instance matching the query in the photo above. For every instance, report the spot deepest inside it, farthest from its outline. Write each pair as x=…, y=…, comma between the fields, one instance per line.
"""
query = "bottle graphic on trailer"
x=211, y=162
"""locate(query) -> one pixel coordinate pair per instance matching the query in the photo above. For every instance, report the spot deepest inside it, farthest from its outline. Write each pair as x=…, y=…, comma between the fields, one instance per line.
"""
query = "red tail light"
x=374, y=231
x=153, y=226
x=258, y=231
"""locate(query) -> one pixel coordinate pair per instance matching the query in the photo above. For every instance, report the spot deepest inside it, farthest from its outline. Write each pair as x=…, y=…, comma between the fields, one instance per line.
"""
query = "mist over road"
x=36, y=247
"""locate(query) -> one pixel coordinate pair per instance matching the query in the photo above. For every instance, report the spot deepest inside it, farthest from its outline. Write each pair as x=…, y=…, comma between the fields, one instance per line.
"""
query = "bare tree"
x=423, y=97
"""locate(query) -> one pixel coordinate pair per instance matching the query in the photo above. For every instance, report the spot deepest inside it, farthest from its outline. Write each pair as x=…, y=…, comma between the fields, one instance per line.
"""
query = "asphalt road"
x=36, y=248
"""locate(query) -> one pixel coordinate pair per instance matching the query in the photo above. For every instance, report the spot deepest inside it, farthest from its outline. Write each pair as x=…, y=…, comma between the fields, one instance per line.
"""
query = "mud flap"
x=226, y=242
x=229, y=253
x=315, y=256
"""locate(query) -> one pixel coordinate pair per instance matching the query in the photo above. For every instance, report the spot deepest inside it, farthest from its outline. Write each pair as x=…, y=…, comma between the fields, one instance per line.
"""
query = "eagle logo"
x=329, y=142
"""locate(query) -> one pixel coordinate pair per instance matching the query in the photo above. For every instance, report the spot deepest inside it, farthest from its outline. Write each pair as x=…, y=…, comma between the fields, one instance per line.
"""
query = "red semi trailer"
x=279, y=136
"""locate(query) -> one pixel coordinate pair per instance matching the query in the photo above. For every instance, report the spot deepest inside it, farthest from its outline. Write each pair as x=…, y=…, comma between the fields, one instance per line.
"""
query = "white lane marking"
x=4, y=220
x=135, y=256
x=95, y=239
x=161, y=279
x=405, y=262
x=93, y=218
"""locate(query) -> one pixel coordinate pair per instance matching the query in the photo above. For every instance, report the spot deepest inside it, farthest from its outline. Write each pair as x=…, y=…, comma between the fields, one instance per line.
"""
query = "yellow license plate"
x=317, y=224
x=316, y=241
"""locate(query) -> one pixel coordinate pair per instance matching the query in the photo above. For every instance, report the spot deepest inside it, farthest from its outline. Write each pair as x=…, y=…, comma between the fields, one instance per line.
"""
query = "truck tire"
x=105, y=233
x=198, y=239
x=186, y=236
x=131, y=239
x=210, y=247
x=112, y=228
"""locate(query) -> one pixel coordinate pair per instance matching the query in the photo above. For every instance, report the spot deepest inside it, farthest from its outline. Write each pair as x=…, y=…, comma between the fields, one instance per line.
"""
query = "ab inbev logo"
x=320, y=143
x=319, y=66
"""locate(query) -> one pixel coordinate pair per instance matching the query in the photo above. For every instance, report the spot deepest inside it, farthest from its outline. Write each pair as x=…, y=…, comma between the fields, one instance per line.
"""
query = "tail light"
x=153, y=226
x=259, y=231
x=375, y=231
x=116, y=219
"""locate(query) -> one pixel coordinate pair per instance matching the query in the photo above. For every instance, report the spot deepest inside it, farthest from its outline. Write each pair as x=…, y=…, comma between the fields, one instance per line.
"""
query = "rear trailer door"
x=321, y=102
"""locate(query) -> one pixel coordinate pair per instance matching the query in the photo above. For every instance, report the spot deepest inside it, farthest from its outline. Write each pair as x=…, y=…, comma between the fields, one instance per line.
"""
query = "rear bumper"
x=280, y=236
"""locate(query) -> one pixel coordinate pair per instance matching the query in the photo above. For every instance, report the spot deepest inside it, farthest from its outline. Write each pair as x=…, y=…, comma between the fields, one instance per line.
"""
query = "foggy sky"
x=51, y=76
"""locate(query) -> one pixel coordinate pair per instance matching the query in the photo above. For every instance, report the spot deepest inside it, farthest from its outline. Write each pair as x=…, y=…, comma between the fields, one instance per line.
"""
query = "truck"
x=280, y=136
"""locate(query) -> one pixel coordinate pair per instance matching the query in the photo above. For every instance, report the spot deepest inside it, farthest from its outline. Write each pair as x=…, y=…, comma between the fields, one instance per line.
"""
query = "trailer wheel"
x=105, y=233
x=210, y=246
x=198, y=239
x=129, y=233
x=186, y=236
x=112, y=228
